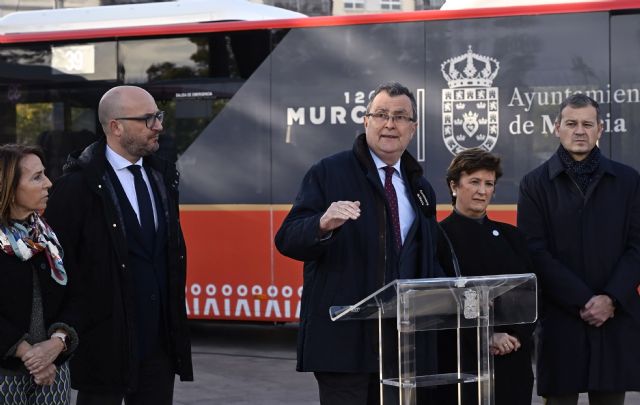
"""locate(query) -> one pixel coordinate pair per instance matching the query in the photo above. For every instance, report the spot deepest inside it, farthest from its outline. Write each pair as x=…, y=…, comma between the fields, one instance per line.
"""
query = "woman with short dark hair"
x=36, y=336
x=484, y=247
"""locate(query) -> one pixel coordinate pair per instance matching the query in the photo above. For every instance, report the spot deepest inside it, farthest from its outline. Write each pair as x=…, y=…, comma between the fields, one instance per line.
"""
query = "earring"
x=453, y=193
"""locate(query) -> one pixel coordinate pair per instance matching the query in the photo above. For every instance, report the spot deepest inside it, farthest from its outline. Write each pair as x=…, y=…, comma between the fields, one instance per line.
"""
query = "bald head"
x=123, y=113
x=120, y=101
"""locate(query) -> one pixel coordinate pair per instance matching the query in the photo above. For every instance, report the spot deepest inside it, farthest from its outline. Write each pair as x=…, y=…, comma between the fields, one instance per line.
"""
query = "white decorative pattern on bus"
x=240, y=301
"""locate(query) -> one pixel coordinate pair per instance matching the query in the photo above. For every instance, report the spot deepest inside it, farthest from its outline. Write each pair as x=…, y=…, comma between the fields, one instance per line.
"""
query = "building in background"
x=308, y=7
x=347, y=7
x=465, y=4
x=10, y=6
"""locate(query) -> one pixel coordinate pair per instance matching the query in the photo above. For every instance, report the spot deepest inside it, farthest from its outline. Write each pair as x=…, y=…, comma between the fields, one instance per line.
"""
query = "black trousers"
x=155, y=385
x=348, y=388
x=595, y=398
x=362, y=389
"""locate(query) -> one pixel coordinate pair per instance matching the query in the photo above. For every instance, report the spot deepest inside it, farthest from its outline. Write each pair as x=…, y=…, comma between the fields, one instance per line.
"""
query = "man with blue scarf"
x=580, y=213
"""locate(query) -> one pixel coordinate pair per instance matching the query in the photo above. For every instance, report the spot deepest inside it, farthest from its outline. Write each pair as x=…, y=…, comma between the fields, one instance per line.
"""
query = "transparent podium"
x=435, y=304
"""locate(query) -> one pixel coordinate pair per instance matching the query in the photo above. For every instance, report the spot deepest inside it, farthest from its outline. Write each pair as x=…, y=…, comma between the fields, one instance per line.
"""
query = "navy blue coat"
x=357, y=259
x=59, y=303
x=85, y=212
x=584, y=245
x=482, y=252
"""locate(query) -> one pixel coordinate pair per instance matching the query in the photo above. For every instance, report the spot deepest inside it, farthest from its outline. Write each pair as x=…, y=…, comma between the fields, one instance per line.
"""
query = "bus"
x=252, y=104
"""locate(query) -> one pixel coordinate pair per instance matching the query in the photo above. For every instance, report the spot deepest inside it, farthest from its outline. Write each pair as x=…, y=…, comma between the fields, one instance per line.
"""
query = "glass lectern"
x=443, y=303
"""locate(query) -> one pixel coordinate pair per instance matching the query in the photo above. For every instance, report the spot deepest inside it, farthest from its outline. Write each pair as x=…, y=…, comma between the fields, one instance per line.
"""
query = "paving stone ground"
x=242, y=364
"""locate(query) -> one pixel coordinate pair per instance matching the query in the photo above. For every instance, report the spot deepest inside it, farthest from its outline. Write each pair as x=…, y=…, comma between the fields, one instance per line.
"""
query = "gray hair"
x=395, y=89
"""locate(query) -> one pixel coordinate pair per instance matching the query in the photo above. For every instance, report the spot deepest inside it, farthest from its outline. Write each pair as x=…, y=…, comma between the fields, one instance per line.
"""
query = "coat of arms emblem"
x=470, y=105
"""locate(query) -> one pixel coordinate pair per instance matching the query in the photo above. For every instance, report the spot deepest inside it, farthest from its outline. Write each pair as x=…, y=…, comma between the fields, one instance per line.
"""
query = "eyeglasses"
x=149, y=119
x=381, y=118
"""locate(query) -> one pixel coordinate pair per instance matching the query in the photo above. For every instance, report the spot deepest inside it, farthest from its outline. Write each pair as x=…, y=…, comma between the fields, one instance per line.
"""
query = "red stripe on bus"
x=411, y=16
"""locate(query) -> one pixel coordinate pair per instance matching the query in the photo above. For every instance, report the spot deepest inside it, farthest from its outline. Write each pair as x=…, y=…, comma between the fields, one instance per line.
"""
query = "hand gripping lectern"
x=435, y=304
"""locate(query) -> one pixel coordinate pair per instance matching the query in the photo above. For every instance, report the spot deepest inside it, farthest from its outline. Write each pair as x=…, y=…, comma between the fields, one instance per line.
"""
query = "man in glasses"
x=362, y=218
x=116, y=213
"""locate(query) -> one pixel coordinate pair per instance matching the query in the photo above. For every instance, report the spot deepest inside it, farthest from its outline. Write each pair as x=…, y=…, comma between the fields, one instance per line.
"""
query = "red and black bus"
x=251, y=105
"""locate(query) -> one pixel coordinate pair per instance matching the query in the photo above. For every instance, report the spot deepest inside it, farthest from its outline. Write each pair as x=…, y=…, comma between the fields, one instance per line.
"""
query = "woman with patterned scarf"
x=36, y=305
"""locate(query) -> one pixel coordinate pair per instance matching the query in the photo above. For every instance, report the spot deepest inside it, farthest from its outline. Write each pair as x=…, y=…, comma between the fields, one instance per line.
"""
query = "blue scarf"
x=26, y=239
x=581, y=171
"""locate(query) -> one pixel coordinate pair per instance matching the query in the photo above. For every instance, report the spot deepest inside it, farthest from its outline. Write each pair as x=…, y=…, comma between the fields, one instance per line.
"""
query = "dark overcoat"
x=85, y=213
x=583, y=245
x=482, y=249
x=356, y=260
x=59, y=304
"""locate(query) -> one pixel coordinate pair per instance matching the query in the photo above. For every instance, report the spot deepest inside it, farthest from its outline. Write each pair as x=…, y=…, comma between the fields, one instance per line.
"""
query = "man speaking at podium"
x=362, y=218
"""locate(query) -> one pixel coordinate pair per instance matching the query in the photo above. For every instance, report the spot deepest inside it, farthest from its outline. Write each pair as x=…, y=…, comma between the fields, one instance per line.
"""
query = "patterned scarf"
x=581, y=171
x=28, y=238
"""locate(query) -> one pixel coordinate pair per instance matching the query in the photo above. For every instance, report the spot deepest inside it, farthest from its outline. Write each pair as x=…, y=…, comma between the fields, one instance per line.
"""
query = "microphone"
x=454, y=258
x=429, y=211
x=456, y=269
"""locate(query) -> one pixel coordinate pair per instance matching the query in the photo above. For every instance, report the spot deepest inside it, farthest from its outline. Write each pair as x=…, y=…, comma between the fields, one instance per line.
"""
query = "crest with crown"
x=470, y=70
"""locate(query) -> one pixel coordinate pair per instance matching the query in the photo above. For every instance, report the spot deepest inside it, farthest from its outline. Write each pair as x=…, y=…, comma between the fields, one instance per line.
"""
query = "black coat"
x=481, y=252
x=16, y=299
x=583, y=245
x=85, y=212
x=357, y=259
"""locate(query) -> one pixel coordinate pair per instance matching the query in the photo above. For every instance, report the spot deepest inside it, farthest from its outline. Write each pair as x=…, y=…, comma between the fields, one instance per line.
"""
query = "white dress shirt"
x=125, y=176
x=405, y=209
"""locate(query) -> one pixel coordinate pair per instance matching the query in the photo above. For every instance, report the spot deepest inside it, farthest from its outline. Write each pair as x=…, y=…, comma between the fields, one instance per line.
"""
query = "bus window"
x=48, y=97
x=232, y=55
x=192, y=78
x=31, y=120
x=145, y=60
x=58, y=63
x=60, y=119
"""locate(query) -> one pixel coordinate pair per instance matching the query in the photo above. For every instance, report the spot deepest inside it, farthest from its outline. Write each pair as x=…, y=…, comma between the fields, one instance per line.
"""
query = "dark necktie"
x=392, y=198
x=144, y=205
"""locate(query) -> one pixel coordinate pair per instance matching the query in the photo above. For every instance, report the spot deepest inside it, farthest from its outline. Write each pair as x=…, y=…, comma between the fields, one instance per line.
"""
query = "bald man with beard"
x=115, y=211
